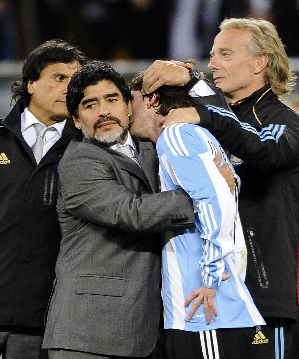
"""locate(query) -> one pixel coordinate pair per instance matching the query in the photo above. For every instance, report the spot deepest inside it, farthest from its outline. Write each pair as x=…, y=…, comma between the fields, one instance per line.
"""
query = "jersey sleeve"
x=186, y=154
x=271, y=147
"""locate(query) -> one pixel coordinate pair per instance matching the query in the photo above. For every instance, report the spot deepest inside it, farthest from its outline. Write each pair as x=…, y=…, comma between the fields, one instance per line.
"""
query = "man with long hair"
x=250, y=65
x=29, y=167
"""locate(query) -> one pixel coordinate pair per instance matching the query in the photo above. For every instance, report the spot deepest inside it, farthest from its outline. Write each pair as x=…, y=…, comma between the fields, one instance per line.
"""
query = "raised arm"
x=270, y=148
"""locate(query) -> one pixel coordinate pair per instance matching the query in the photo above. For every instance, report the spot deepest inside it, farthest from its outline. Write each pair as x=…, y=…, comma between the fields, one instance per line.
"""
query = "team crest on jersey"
x=260, y=338
x=4, y=159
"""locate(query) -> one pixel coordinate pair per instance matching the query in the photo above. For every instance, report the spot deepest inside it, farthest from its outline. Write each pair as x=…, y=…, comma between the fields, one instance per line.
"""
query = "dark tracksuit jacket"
x=29, y=228
x=265, y=135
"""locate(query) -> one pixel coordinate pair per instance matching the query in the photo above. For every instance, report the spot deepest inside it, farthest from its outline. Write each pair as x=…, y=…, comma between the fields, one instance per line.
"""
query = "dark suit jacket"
x=107, y=294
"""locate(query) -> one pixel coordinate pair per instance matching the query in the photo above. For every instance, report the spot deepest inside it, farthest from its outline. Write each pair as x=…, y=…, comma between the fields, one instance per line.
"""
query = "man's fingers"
x=207, y=311
x=151, y=85
x=187, y=65
x=191, y=296
x=164, y=73
x=195, y=306
x=150, y=78
x=227, y=174
x=199, y=298
x=218, y=158
x=225, y=276
x=232, y=184
x=209, y=307
x=184, y=64
x=205, y=295
x=151, y=82
x=213, y=307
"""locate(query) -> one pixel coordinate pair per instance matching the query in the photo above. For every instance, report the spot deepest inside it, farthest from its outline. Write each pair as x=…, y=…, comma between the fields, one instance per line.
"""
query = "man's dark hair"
x=48, y=53
x=88, y=75
x=167, y=97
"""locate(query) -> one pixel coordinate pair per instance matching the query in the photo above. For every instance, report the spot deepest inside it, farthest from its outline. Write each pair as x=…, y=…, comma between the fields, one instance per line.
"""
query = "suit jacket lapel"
x=147, y=157
x=128, y=164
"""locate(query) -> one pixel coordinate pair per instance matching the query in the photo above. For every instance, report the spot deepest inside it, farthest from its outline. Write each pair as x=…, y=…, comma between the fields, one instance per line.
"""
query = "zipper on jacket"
x=49, y=187
x=253, y=108
x=257, y=259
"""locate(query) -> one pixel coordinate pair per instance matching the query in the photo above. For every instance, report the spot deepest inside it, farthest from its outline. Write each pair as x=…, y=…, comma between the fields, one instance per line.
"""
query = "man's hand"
x=205, y=295
x=179, y=115
x=225, y=172
x=172, y=73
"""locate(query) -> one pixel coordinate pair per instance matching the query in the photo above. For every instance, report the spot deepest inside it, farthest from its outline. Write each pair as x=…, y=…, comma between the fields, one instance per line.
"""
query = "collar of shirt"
x=238, y=102
x=28, y=131
x=202, y=89
x=129, y=141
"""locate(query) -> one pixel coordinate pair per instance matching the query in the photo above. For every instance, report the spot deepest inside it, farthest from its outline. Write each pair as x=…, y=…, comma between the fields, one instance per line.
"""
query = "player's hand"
x=226, y=172
x=205, y=295
x=179, y=115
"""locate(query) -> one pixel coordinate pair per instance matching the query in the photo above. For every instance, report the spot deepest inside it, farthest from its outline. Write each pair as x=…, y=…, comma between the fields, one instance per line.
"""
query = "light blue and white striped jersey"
x=200, y=256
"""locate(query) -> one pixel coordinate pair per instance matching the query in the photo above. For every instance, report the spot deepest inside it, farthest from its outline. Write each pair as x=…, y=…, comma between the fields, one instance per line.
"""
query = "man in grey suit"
x=106, y=300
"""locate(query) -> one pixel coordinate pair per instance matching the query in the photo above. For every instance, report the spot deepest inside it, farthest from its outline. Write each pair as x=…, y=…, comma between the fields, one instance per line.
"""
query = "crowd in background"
x=135, y=29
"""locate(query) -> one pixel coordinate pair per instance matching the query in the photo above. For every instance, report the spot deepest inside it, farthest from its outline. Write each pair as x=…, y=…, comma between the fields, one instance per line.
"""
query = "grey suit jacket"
x=106, y=298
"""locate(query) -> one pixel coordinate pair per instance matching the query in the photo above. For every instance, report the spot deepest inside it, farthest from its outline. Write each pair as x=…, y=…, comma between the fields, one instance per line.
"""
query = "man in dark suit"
x=106, y=300
x=29, y=228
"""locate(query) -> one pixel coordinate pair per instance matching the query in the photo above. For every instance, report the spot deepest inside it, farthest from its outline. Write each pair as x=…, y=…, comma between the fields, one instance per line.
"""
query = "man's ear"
x=152, y=101
x=129, y=106
x=30, y=86
x=261, y=63
x=77, y=122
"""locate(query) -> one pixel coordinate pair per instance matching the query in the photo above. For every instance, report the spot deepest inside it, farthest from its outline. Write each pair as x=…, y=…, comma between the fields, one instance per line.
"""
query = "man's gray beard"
x=109, y=138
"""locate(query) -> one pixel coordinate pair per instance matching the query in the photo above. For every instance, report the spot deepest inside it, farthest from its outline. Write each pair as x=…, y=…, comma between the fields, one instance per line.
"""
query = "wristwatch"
x=194, y=78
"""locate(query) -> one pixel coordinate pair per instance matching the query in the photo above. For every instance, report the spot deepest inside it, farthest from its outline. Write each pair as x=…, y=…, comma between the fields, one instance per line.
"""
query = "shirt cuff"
x=201, y=89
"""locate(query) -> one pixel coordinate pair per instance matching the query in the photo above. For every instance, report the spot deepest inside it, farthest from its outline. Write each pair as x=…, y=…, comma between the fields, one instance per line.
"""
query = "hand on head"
x=179, y=115
x=165, y=73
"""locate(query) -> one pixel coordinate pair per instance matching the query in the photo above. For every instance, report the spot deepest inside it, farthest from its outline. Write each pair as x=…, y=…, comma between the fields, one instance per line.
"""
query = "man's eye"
x=60, y=78
x=112, y=99
x=90, y=105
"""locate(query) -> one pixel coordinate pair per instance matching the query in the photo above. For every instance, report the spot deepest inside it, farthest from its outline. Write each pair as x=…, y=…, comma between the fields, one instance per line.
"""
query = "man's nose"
x=212, y=64
x=64, y=91
x=103, y=109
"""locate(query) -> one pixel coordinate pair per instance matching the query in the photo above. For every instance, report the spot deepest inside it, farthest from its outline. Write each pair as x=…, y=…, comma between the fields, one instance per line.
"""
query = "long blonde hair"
x=265, y=40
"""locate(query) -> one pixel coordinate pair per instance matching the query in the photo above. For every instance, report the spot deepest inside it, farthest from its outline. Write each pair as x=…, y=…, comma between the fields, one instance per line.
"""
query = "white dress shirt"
x=51, y=136
x=201, y=89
